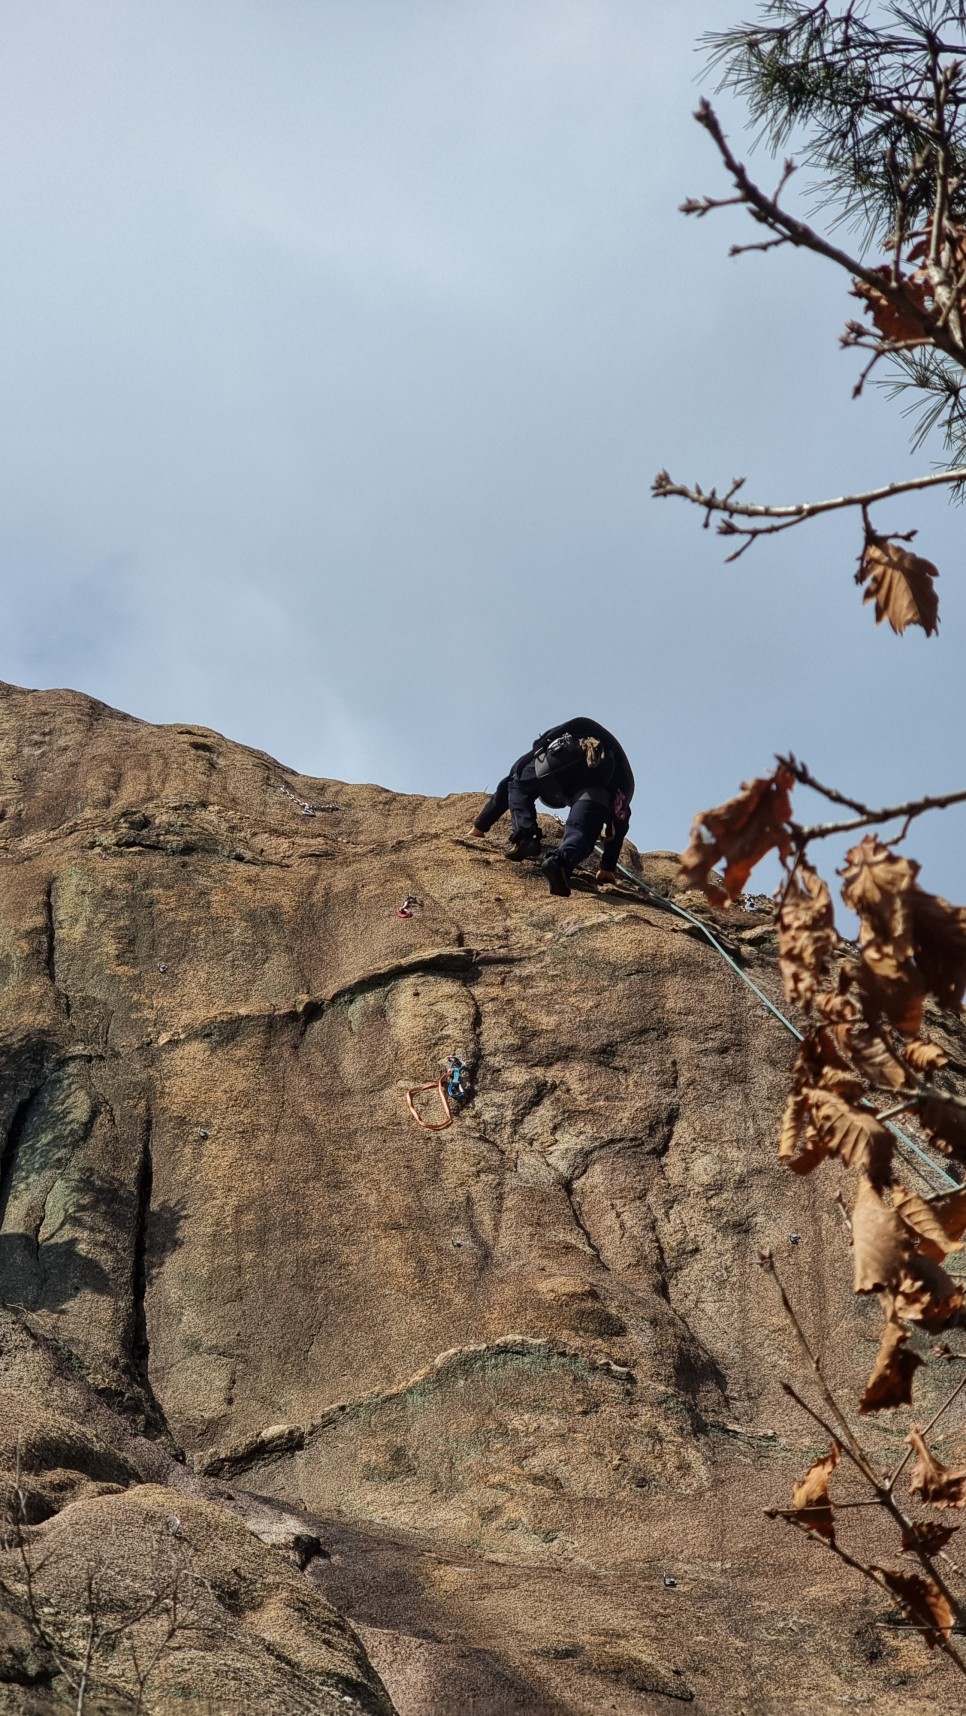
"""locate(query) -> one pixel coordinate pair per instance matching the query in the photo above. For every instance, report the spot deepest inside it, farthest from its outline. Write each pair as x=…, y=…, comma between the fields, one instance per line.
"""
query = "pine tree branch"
x=769, y=212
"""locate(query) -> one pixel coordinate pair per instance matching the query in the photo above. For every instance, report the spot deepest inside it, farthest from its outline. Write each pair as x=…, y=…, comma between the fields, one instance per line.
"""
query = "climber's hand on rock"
x=606, y=876
x=476, y=833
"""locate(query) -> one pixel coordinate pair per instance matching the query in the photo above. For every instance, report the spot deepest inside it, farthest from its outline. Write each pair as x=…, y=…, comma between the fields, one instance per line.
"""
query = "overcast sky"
x=340, y=342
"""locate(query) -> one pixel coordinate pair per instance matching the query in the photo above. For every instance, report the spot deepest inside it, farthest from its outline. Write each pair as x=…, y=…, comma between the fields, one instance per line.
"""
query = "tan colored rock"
x=508, y=1373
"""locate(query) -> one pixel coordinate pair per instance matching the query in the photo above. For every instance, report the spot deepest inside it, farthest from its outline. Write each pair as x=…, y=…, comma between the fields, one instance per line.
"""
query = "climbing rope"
x=452, y=1086
x=438, y=1085
x=682, y=912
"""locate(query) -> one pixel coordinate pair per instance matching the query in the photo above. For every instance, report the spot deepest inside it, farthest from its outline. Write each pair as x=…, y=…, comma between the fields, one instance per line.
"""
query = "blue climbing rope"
x=682, y=912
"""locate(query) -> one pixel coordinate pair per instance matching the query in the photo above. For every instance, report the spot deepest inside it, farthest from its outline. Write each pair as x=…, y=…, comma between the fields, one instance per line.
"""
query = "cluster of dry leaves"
x=864, y=1043
x=813, y=1511
x=936, y=287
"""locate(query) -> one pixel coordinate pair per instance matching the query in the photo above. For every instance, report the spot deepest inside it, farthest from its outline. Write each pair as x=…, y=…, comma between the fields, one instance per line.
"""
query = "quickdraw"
x=458, y=1079
x=408, y=906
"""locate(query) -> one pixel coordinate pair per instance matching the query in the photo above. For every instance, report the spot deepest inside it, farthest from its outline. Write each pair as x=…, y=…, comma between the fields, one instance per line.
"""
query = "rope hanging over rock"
x=438, y=1085
x=452, y=1085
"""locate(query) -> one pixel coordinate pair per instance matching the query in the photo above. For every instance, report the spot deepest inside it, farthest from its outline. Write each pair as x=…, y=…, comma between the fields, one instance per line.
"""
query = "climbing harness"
x=408, y=906
x=682, y=912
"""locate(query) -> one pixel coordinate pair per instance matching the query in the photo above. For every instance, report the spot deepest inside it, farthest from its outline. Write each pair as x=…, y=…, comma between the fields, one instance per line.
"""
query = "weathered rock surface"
x=491, y=1382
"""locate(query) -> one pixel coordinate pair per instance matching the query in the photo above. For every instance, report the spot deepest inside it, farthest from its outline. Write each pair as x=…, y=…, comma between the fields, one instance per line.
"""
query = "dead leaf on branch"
x=939, y=938
x=892, y=322
x=890, y=1383
x=939, y=1222
x=882, y=1245
x=924, y=1057
x=854, y=1134
x=806, y=935
x=923, y=1602
x=927, y=1537
x=891, y=987
x=835, y=1006
x=870, y=1054
x=910, y=941
x=944, y=1124
x=811, y=1508
x=933, y=1482
x=900, y=584
x=825, y=1118
x=876, y=883
x=926, y=1295
x=739, y=834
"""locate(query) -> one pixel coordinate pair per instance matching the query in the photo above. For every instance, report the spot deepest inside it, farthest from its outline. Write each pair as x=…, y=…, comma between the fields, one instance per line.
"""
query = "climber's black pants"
x=522, y=792
x=588, y=813
x=584, y=825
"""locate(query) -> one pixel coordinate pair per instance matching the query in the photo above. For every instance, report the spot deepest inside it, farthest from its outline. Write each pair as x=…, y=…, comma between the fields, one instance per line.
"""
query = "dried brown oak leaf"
x=806, y=935
x=891, y=321
x=927, y=1537
x=939, y=941
x=876, y=884
x=945, y=1124
x=825, y=1119
x=882, y=1245
x=890, y=1382
x=870, y=1054
x=924, y=1057
x=900, y=584
x=811, y=1508
x=739, y=833
x=837, y=1008
x=939, y=1222
x=854, y=1134
x=890, y=986
x=879, y=886
x=932, y=1482
x=925, y=1294
x=923, y=1602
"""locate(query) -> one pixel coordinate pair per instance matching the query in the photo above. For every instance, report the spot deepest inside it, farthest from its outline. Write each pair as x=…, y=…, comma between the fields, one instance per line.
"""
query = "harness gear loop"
x=439, y=1085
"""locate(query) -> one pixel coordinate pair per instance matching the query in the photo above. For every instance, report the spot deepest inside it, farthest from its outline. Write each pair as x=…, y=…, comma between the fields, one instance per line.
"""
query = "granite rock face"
x=491, y=1383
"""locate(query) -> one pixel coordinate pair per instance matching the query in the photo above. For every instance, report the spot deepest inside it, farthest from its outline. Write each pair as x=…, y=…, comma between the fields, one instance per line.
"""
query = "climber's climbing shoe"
x=525, y=845
x=557, y=878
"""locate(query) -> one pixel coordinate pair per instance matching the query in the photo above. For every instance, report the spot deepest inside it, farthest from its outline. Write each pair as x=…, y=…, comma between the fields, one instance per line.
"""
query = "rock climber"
x=578, y=764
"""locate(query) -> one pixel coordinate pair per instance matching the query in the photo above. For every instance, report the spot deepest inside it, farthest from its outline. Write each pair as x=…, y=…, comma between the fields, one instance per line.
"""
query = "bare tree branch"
x=787, y=516
x=865, y=817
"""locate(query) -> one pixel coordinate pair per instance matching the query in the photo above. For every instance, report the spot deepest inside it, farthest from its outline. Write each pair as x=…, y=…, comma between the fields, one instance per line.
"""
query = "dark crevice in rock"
x=140, y=1345
x=50, y=943
x=568, y=1187
x=16, y=1132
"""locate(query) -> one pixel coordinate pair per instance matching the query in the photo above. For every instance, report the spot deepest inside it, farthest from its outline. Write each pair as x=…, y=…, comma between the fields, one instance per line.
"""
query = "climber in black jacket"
x=578, y=764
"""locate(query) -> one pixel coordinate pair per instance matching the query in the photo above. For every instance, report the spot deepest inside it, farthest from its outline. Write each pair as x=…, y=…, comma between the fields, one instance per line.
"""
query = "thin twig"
x=852, y=1447
x=907, y=1456
x=663, y=485
x=865, y=815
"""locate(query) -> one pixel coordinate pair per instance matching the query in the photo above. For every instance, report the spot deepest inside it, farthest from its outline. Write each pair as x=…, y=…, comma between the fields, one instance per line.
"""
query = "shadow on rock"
x=47, y=1277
